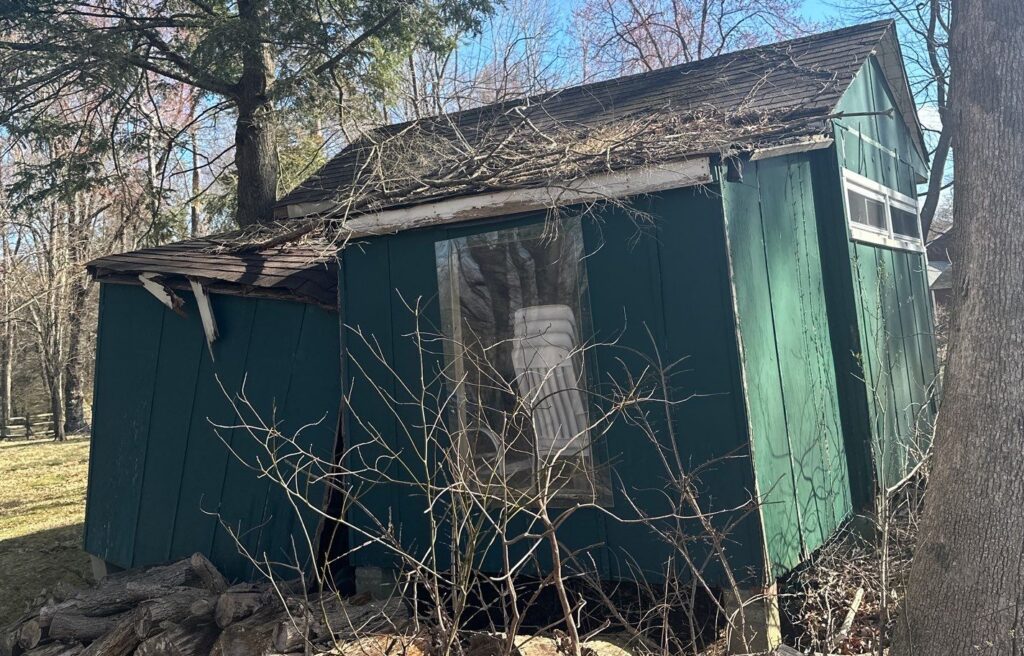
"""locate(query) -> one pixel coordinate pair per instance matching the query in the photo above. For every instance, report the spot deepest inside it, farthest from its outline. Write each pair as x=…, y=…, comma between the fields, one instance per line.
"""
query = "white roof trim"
x=643, y=180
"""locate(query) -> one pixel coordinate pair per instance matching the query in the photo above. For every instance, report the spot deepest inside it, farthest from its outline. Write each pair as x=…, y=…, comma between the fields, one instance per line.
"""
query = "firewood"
x=120, y=640
x=234, y=606
x=8, y=640
x=207, y=573
x=72, y=625
x=29, y=634
x=107, y=600
x=333, y=619
x=56, y=649
x=174, y=606
x=192, y=638
x=195, y=571
x=252, y=636
x=203, y=607
x=291, y=634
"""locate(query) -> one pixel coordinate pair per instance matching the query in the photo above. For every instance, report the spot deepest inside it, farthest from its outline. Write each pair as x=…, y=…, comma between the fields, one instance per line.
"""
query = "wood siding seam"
x=778, y=360
x=744, y=404
x=145, y=450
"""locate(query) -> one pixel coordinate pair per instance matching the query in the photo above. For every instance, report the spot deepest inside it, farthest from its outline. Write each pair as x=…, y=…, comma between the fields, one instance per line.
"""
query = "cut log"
x=29, y=634
x=71, y=625
x=333, y=619
x=207, y=573
x=234, y=606
x=252, y=636
x=186, y=639
x=291, y=634
x=56, y=649
x=195, y=572
x=8, y=640
x=175, y=607
x=203, y=607
x=108, y=600
x=119, y=641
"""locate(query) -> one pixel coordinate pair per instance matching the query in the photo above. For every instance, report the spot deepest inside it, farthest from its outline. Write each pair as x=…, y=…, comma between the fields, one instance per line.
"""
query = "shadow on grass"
x=33, y=564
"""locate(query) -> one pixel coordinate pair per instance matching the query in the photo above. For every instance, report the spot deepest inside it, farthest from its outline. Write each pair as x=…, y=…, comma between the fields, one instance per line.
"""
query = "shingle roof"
x=755, y=97
x=306, y=273
x=793, y=82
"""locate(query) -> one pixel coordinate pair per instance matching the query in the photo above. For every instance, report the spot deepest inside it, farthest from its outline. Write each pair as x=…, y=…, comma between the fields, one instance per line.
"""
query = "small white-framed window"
x=880, y=215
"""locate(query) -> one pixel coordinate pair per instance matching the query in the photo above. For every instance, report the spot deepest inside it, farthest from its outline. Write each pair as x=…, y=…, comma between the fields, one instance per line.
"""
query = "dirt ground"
x=42, y=508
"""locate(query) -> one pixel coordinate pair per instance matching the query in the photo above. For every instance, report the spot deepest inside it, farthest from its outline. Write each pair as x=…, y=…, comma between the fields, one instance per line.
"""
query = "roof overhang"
x=593, y=188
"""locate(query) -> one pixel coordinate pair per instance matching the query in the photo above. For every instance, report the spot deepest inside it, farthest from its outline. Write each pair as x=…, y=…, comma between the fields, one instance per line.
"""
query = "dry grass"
x=42, y=508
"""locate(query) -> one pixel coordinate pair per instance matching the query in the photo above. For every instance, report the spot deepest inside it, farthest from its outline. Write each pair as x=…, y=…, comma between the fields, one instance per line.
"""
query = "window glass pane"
x=866, y=211
x=513, y=304
x=904, y=223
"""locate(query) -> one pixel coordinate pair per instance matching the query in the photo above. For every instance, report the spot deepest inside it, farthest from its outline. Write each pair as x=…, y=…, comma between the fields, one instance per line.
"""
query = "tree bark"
x=966, y=590
x=6, y=365
x=74, y=395
x=255, y=141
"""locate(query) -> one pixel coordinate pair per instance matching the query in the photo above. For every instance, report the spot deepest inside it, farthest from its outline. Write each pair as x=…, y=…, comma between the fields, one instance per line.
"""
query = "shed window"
x=866, y=211
x=514, y=311
x=881, y=215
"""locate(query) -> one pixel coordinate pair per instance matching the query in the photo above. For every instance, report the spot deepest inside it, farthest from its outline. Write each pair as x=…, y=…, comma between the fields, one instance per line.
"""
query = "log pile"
x=188, y=609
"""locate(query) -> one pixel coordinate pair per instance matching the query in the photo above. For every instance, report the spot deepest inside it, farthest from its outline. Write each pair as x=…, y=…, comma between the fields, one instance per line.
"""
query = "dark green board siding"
x=662, y=285
x=794, y=416
x=887, y=365
x=158, y=466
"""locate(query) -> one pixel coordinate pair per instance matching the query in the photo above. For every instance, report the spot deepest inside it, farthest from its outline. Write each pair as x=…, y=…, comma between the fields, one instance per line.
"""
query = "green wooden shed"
x=755, y=221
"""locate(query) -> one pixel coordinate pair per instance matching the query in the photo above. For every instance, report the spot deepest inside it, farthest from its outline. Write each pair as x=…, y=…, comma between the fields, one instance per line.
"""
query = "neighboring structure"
x=778, y=251
x=940, y=268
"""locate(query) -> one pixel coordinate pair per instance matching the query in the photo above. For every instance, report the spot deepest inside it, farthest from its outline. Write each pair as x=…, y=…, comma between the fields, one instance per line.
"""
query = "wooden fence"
x=38, y=425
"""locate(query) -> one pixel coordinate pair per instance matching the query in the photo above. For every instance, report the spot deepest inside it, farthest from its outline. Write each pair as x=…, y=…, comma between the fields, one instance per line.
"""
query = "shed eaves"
x=306, y=273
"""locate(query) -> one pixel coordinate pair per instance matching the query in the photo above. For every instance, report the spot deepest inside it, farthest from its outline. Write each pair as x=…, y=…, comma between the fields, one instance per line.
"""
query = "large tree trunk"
x=255, y=142
x=74, y=394
x=966, y=591
x=256, y=161
x=6, y=366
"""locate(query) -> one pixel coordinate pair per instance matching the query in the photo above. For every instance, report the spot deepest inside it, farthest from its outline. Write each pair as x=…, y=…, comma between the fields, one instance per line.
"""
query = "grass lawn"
x=42, y=508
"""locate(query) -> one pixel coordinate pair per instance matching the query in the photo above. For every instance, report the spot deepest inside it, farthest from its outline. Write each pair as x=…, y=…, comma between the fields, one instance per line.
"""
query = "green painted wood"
x=841, y=296
x=627, y=314
x=367, y=336
x=792, y=396
x=765, y=407
x=894, y=345
x=804, y=345
x=896, y=162
x=207, y=458
x=129, y=349
x=701, y=332
x=274, y=335
x=637, y=274
x=151, y=511
x=310, y=417
x=180, y=352
x=911, y=348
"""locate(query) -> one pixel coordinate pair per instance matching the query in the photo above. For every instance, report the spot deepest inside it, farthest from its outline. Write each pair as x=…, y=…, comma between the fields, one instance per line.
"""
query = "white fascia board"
x=621, y=184
x=812, y=143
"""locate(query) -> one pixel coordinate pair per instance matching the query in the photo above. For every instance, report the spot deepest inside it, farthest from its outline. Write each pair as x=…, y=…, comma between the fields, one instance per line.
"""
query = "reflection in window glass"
x=904, y=223
x=513, y=304
x=866, y=211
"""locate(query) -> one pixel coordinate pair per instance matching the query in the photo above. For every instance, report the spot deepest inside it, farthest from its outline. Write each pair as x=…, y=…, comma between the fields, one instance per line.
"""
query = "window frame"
x=513, y=232
x=891, y=199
